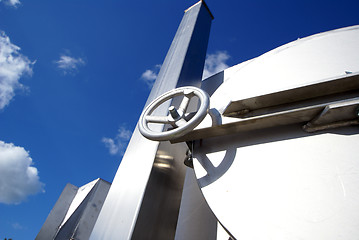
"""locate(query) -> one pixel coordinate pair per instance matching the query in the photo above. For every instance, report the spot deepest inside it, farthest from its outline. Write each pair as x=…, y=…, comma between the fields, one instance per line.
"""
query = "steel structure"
x=145, y=196
x=284, y=164
x=272, y=141
x=75, y=212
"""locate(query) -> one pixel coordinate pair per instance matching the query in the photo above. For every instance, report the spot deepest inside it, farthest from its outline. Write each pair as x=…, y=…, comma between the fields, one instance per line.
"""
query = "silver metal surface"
x=76, y=211
x=196, y=220
x=262, y=175
x=282, y=183
x=333, y=85
x=215, y=116
x=57, y=214
x=81, y=221
x=300, y=112
x=175, y=118
x=158, y=213
x=139, y=202
x=335, y=115
x=294, y=105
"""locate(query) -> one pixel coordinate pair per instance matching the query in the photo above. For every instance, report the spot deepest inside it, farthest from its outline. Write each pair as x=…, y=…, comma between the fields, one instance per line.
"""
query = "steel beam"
x=145, y=196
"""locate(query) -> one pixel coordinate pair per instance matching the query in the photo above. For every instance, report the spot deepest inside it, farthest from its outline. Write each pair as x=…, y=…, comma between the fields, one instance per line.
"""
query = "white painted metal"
x=305, y=61
x=284, y=183
x=75, y=213
x=81, y=194
x=221, y=233
x=175, y=117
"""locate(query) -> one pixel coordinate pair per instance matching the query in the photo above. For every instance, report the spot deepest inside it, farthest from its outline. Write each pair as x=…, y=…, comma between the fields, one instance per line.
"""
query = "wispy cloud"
x=215, y=63
x=13, y=3
x=117, y=145
x=68, y=64
x=17, y=226
x=13, y=65
x=18, y=178
x=149, y=76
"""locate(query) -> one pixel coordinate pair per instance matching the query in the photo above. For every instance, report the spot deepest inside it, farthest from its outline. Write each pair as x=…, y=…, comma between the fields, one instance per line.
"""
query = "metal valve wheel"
x=176, y=117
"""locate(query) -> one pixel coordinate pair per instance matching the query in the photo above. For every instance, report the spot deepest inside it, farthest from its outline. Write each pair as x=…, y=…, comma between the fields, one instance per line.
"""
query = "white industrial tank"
x=284, y=164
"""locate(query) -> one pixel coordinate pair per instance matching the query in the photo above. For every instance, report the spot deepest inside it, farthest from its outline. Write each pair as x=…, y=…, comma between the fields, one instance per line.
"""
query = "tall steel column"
x=145, y=196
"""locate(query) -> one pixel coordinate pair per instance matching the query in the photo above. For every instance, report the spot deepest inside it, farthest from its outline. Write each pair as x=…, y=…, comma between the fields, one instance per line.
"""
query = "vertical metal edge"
x=183, y=66
x=57, y=214
x=95, y=202
x=196, y=220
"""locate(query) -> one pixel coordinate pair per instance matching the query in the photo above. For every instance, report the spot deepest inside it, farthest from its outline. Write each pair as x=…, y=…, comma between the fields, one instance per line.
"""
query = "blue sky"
x=75, y=75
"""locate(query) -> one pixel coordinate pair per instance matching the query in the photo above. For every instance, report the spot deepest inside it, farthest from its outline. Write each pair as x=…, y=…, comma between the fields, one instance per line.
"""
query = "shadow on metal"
x=211, y=84
x=218, y=144
x=214, y=173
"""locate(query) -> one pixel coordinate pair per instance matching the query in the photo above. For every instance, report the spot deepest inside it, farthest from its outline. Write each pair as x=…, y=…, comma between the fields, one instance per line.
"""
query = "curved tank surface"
x=271, y=179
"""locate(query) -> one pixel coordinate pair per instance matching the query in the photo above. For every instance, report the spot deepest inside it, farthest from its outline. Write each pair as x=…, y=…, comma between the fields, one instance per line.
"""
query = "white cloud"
x=150, y=75
x=13, y=3
x=117, y=145
x=17, y=226
x=18, y=178
x=68, y=64
x=215, y=63
x=12, y=66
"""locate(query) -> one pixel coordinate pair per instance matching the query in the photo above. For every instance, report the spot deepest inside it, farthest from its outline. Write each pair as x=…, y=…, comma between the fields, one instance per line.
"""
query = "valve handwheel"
x=176, y=117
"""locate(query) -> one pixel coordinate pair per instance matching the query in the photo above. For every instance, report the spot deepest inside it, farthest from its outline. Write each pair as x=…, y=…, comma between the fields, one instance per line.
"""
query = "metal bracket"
x=302, y=112
x=188, y=161
x=335, y=115
x=326, y=87
x=325, y=104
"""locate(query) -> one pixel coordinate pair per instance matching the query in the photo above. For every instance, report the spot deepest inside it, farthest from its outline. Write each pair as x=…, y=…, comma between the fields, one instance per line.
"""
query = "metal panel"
x=196, y=220
x=282, y=183
x=305, y=61
x=269, y=181
x=159, y=210
x=57, y=214
x=95, y=201
x=325, y=87
x=183, y=66
x=300, y=112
